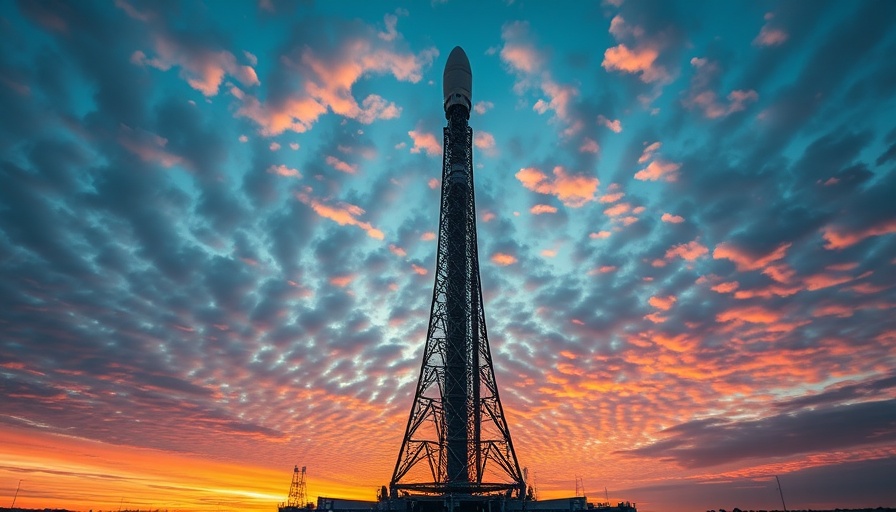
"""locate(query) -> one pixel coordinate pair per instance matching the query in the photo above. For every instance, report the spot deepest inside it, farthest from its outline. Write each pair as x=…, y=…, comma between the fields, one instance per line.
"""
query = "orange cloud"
x=614, y=125
x=519, y=55
x=559, y=98
x=612, y=197
x=398, y=251
x=539, y=209
x=839, y=238
x=689, y=251
x=482, y=107
x=648, y=152
x=148, y=146
x=600, y=234
x=713, y=108
x=657, y=170
x=617, y=210
x=485, y=141
x=745, y=260
x=418, y=269
x=662, y=303
x=203, y=69
x=344, y=214
x=339, y=165
x=768, y=35
x=641, y=60
x=503, y=259
x=820, y=281
x=282, y=170
x=295, y=114
x=425, y=142
x=726, y=287
x=767, y=292
x=781, y=273
x=833, y=310
x=342, y=281
x=429, y=235
x=572, y=190
x=589, y=146
x=527, y=63
x=674, y=219
x=751, y=314
x=327, y=85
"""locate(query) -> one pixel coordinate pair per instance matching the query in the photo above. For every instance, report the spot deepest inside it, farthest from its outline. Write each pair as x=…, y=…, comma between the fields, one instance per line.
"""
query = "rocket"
x=445, y=449
x=457, y=80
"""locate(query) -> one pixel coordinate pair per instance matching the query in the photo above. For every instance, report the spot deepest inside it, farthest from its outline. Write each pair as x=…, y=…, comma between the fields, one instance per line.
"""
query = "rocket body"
x=457, y=201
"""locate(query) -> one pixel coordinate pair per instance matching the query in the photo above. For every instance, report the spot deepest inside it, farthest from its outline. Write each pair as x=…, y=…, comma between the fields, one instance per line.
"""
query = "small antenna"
x=16, y=495
x=781, y=492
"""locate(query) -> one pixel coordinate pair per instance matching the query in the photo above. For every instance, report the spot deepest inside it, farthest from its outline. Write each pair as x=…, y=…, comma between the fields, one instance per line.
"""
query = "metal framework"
x=457, y=440
x=297, y=491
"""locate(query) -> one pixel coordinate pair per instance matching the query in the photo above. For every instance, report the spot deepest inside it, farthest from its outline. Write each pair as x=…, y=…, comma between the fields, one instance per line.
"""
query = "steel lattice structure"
x=457, y=439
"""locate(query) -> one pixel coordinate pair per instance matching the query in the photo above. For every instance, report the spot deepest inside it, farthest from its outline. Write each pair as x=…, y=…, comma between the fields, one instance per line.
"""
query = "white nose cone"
x=457, y=81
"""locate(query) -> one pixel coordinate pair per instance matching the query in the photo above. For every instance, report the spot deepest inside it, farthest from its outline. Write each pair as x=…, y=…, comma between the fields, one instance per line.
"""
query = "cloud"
x=539, y=209
x=689, y=251
x=327, y=81
x=726, y=287
x=148, y=146
x=572, y=190
x=282, y=170
x=659, y=170
x=517, y=51
x=716, y=441
x=673, y=219
x=425, y=142
x=769, y=35
x=528, y=64
x=202, y=68
x=701, y=96
x=639, y=61
x=503, y=259
x=390, y=21
x=840, y=238
x=745, y=260
x=341, y=166
x=589, y=146
x=617, y=210
x=485, y=141
x=614, y=125
x=662, y=303
x=343, y=214
x=648, y=152
x=481, y=107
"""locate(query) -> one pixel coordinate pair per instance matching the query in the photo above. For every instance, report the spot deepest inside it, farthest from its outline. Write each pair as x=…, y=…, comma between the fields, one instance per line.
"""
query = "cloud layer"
x=218, y=233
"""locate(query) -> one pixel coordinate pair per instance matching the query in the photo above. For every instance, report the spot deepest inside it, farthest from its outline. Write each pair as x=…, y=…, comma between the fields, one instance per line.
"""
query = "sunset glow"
x=219, y=222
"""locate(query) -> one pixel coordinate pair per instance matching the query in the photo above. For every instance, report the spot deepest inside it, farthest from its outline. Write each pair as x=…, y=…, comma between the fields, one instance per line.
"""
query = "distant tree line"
x=878, y=509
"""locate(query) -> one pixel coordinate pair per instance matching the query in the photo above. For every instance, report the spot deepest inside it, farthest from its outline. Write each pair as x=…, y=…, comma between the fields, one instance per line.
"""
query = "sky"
x=217, y=244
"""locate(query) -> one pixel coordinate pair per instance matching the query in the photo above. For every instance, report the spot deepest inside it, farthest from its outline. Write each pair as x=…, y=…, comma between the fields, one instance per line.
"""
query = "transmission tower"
x=457, y=440
x=297, y=489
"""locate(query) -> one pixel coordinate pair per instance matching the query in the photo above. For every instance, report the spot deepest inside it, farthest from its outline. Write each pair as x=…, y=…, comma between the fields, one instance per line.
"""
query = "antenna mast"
x=781, y=492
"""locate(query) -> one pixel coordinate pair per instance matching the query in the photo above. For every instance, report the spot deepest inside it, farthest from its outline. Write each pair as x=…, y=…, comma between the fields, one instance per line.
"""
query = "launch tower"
x=457, y=442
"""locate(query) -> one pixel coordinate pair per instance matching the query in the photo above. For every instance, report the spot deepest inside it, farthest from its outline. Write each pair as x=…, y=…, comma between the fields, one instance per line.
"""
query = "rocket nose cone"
x=457, y=78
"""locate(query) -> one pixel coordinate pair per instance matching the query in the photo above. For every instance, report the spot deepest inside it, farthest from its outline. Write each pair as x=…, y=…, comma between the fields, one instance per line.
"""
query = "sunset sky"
x=217, y=243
